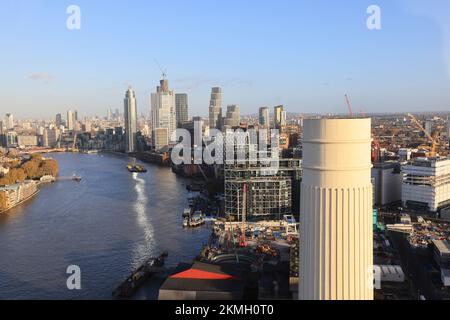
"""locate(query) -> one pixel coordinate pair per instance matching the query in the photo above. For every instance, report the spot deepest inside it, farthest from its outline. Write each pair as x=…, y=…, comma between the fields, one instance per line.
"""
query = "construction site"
x=254, y=192
x=242, y=260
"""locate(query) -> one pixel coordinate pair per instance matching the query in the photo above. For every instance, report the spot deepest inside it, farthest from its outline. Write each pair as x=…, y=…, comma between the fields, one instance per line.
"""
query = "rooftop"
x=442, y=245
x=427, y=162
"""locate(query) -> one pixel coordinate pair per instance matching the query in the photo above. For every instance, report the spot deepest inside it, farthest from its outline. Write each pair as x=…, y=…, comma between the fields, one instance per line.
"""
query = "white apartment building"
x=70, y=122
x=426, y=183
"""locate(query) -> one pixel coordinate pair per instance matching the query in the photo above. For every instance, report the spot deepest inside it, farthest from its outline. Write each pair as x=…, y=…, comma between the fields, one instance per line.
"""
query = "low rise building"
x=391, y=273
x=27, y=140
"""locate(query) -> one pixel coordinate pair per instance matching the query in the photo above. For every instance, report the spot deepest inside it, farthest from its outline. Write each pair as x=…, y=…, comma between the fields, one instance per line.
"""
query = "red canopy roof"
x=204, y=275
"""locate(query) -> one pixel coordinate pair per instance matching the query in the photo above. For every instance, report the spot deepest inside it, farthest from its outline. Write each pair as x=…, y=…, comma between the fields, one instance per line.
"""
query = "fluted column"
x=336, y=244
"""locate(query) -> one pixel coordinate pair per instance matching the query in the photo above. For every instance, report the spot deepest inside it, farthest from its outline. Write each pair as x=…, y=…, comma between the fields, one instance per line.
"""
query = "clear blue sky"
x=304, y=54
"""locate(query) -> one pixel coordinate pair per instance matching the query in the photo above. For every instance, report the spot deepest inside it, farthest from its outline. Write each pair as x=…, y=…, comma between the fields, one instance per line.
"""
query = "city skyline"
x=407, y=61
x=249, y=152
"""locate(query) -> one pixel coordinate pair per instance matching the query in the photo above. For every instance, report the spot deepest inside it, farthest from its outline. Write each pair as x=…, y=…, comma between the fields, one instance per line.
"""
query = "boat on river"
x=150, y=267
x=136, y=168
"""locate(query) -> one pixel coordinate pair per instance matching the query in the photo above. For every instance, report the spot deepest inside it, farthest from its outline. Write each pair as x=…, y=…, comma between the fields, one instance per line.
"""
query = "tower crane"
x=163, y=71
x=376, y=154
x=349, y=105
x=434, y=143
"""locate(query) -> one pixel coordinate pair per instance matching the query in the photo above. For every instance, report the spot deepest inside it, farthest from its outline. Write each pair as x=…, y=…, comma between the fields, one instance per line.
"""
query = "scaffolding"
x=267, y=196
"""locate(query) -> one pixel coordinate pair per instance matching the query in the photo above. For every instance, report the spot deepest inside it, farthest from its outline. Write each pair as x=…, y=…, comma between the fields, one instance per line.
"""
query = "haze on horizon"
x=303, y=54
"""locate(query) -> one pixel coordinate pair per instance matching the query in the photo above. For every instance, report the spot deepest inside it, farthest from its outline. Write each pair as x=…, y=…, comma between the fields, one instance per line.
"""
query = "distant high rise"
x=233, y=118
x=336, y=235
x=70, y=120
x=163, y=112
x=181, y=102
x=87, y=125
x=50, y=137
x=75, y=115
x=130, y=115
x=11, y=139
x=58, y=120
x=278, y=117
x=215, y=108
x=264, y=117
x=283, y=118
x=9, y=121
x=428, y=126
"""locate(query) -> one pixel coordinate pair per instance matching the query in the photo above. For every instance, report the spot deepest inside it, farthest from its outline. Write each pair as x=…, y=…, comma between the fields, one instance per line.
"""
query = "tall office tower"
x=75, y=115
x=233, y=118
x=130, y=115
x=9, y=121
x=109, y=114
x=87, y=126
x=264, y=117
x=70, y=120
x=58, y=120
x=181, y=103
x=283, y=118
x=336, y=245
x=215, y=108
x=50, y=137
x=163, y=111
x=278, y=116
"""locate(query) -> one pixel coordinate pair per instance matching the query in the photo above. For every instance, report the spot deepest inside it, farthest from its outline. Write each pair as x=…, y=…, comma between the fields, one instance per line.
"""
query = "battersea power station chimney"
x=336, y=245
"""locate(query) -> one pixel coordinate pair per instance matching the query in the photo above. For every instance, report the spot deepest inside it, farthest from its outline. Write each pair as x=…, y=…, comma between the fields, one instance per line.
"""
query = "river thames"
x=107, y=224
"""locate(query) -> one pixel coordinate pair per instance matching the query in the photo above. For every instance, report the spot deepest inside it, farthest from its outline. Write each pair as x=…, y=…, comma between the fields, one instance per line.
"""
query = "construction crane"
x=163, y=71
x=434, y=143
x=376, y=153
x=349, y=105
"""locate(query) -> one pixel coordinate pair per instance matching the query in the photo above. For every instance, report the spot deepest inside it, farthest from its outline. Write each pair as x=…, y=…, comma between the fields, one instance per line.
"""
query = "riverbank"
x=13, y=195
x=107, y=224
x=19, y=203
